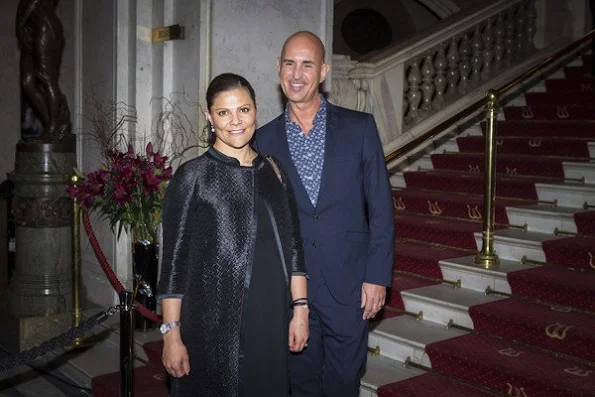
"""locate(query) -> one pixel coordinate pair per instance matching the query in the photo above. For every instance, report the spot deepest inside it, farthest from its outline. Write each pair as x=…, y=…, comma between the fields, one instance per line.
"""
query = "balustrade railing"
x=409, y=84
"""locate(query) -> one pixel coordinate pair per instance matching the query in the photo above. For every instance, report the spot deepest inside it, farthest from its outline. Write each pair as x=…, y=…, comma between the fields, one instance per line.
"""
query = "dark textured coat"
x=209, y=227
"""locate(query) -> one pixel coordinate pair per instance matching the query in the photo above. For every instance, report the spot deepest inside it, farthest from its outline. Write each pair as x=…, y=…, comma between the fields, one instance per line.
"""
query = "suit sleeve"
x=177, y=207
x=380, y=210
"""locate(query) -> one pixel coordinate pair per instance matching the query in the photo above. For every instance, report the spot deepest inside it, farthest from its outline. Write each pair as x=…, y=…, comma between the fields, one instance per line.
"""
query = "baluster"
x=488, y=53
x=509, y=36
x=440, y=81
x=453, y=75
x=414, y=94
x=476, y=59
x=464, y=64
x=520, y=31
x=427, y=88
x=405, y=101
x=531, y=27
x=499, y=42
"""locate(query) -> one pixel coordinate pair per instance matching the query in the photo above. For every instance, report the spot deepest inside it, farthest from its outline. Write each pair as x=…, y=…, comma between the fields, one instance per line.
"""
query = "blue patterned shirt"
x=307, y=151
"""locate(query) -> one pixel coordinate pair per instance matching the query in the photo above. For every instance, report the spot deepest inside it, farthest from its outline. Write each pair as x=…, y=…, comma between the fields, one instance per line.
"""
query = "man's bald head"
x=308, y=37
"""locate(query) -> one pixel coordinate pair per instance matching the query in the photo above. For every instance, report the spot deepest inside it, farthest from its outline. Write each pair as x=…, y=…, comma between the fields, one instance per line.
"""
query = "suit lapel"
x=330, y=147
x=301, y=195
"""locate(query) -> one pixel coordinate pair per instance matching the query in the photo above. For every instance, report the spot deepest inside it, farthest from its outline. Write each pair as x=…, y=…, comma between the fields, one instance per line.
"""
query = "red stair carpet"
x=540, y=342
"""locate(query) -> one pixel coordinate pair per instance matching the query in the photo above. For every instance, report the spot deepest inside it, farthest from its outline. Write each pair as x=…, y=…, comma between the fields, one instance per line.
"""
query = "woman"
x=232, y=257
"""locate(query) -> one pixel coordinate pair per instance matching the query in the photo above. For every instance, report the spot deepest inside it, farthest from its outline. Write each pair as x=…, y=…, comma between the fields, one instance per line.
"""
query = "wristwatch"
x=166, y=327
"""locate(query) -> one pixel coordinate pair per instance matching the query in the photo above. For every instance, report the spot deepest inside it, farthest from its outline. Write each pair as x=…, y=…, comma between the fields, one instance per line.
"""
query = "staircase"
x=526, y=328
x=450, y=328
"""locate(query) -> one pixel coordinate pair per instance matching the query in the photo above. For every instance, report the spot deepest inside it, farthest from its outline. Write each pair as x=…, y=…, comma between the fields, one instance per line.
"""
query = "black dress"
x=231, y=243
x=265, y=345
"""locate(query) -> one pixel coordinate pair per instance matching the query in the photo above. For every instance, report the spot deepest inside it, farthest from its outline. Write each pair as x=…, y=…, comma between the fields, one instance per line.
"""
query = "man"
x=334, y=160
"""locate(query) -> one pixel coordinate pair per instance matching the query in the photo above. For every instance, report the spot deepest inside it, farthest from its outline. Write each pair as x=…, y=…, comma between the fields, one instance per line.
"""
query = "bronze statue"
x=41, y=40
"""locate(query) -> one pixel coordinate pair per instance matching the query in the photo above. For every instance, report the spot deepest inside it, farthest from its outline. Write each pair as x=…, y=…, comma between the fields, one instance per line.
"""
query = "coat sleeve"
x=297, y=264
x=178, y=205
x=380, y=209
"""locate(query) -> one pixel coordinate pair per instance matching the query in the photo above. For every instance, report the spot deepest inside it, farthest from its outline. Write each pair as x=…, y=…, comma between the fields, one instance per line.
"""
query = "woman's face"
x=233, y=115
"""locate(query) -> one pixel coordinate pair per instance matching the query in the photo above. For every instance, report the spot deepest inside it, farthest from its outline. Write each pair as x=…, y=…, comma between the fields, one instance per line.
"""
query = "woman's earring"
x=212, y=128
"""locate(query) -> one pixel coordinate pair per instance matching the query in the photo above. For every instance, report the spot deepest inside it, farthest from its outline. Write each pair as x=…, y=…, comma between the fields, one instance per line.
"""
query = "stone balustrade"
x=414, y=82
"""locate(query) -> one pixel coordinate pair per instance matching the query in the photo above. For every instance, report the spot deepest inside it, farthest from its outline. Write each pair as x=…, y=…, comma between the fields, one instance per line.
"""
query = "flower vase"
x=145, y=281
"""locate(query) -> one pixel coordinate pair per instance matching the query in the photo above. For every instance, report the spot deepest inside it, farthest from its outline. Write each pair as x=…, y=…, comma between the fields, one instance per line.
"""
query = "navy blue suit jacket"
x=348, y=237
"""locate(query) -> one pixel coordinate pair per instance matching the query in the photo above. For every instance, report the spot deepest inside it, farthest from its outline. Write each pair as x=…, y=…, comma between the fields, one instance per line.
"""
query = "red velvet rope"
x=109, y=272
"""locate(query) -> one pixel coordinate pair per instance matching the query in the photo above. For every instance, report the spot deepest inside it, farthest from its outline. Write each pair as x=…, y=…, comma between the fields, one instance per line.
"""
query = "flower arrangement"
x=128, y=191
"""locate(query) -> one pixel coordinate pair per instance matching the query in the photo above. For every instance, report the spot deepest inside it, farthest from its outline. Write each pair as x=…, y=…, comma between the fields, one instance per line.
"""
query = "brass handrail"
x=469, y=110
x=487, y=256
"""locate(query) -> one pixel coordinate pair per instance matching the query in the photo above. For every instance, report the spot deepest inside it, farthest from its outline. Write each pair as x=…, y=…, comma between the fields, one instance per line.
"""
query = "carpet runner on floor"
x=545, y=98
x=550, y=327
x=505, y=164
x=424, y=259
x=430, y=385
x=551, y=112
x=542, y=146
x=148, y=382
x=576, y=129
x=449, y=204
x=585, y=223
x=449, y=232
x=573, y=252
x=511, y=368
x=573, y=85
x=556, y=286
x=508, y=186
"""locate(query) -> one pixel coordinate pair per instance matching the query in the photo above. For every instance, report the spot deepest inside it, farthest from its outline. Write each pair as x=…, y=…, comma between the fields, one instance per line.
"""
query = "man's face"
x=301, y=70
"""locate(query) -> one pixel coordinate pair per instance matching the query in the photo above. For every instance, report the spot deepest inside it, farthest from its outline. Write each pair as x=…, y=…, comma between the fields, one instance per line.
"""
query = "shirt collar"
x=317, y=117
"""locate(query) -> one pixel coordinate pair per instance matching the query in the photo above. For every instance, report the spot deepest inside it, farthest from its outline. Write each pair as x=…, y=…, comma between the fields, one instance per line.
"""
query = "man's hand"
x=373, y=297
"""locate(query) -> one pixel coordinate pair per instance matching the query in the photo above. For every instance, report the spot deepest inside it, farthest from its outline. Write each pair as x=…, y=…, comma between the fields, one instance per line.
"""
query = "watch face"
x=164, y=328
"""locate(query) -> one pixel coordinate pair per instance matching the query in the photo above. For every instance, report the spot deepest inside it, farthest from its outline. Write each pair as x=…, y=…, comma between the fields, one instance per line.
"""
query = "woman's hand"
x=299, y=330
x=175, y=356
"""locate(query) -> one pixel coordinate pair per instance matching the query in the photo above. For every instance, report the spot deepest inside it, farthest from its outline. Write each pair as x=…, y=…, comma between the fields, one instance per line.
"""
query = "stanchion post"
x=487, y=257
x=126, y=343
x=84, y=340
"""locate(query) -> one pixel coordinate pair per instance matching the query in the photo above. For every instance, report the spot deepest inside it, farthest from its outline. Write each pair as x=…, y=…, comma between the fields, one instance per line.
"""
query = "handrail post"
x=126, y=343
x=487, y=257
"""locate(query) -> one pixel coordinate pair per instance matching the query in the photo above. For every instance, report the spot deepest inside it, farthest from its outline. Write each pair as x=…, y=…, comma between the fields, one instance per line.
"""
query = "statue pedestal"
x=39, y=300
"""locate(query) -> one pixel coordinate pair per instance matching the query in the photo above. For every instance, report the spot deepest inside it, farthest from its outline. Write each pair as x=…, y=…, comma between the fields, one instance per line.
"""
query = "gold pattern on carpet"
x=510, y=352
x=511, y=171
x=434, y=208
x=474, y=169
x=528, y=113
x=578, y=371
x=557, y=331
x=591, y=260
x=534, y=142
x=562, y=112
x=586, y=87
x=516, y=391
x=399, y=204
x=473, y=213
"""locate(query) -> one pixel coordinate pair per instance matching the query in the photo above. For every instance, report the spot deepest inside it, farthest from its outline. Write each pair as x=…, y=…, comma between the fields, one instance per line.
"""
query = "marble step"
x=478, y=278
x=591, y=146
x=577, y=170
x=566, y=194
x=381, y=371
x=403, y=337
x=543, y=218
x=442, y=303
x=397, y=180
x=513, y=244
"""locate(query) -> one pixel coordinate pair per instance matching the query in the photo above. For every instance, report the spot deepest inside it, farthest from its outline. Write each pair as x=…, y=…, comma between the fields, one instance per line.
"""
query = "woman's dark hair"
x=226, y=82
